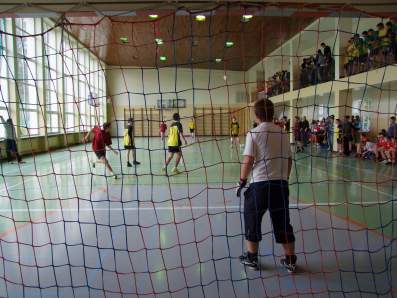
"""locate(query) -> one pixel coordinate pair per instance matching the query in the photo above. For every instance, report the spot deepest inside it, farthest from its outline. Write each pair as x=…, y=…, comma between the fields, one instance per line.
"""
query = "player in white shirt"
x=268, y=154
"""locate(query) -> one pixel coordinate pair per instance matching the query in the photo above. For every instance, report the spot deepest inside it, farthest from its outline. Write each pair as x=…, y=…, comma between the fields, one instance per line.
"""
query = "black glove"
x=241, y=184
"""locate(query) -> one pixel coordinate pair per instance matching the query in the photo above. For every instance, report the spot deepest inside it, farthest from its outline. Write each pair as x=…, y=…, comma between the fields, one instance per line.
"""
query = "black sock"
x=252, y=256
x=291, y=259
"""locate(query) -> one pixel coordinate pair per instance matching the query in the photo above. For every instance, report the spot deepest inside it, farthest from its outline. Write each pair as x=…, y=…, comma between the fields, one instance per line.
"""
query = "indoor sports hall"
x=124, y=133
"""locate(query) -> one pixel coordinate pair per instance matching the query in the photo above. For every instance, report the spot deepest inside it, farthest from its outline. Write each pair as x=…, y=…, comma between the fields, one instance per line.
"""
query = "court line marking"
x=352, y=182
x=144, y=208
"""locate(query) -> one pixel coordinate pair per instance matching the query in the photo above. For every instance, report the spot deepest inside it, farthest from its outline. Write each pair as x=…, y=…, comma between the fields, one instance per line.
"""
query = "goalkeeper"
x=267, y=152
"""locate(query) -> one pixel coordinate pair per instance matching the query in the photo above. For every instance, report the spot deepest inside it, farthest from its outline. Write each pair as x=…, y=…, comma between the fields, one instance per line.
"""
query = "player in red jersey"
x=101, y=140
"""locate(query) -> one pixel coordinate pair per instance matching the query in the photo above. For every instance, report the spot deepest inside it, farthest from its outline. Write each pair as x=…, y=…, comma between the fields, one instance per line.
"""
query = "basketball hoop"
x=93, y=100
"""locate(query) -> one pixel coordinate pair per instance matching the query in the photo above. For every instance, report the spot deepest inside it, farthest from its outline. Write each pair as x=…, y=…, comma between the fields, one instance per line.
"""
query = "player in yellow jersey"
x=192, y=129
x=234, y=132
x=174, y=143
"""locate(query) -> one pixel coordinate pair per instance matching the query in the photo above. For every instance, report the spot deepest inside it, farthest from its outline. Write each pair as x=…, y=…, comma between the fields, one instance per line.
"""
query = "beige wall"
x=136, y=87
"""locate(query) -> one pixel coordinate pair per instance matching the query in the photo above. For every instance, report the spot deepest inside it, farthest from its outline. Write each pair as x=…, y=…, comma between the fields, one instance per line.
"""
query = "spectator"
x=287, y=124
x=384, y=36
x=298, y=135
x=393, y=33
x=369, y=150
x=347, y=136
x=393, y=150
x=10, y=138
x=305, y=128
x=339, y=136
x=327, y=52
x=382, y=146
x=329, y=132
x=320, y=64
x=356, y=130
x=392, y=130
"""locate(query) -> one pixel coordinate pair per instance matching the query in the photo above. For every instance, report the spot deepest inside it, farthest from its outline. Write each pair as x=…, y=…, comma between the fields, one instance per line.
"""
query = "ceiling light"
x=124, y=39
x=159, y=41
x=229, y=43
x=163, y=58
x=245, y=18
x=200, y=18
x=218, y=60
x=153, y=16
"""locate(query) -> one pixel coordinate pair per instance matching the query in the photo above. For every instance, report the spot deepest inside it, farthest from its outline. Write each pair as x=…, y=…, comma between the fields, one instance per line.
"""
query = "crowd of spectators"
x=318, y=68
x=279, y=83
x=350, y=138
x=371, y=49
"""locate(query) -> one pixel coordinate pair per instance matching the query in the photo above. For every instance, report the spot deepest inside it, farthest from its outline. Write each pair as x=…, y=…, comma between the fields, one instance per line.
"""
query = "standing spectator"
x=392, y=130
x=393, y=33
x=339, y=136
x=328, y=61
x=304, y=76
x=298, y=134
x=287, y=124
x=305, y=127
x=320, y=64
x=11, y=143
x=347, y=136
x=385, y=41
x=356, y=123
x=329, y=131
x=327, y=51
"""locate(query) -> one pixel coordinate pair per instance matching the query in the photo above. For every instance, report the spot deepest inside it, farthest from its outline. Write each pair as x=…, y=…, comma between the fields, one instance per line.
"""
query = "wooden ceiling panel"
x=187, y=43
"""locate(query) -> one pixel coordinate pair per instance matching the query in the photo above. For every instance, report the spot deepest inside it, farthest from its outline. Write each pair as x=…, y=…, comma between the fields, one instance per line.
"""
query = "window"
x=4, y=108
x=26, y=71
x=70, y=84
x=51, y=73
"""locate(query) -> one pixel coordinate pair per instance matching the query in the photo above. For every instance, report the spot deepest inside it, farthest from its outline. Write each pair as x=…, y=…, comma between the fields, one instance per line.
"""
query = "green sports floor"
x=56, y=208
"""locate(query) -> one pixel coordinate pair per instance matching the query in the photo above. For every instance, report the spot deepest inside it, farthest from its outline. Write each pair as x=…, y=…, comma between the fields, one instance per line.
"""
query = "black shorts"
x=11, y=145
x=259, y=197
x=234, y=136
x=130, y=147
x=100, y=154
x=191, y=130
x=174, y=149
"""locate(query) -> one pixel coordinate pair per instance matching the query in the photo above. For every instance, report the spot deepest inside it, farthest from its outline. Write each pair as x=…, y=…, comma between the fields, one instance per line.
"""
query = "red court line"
x=355, y=222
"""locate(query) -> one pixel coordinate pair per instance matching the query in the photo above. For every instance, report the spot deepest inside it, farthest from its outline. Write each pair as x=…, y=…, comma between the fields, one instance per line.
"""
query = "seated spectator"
x=369, y=150
x=392, y=150
x=382, y=146
x=361, y=146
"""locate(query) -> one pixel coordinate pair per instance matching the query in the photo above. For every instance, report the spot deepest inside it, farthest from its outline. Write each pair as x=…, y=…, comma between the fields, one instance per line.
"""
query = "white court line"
x=303, y=205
